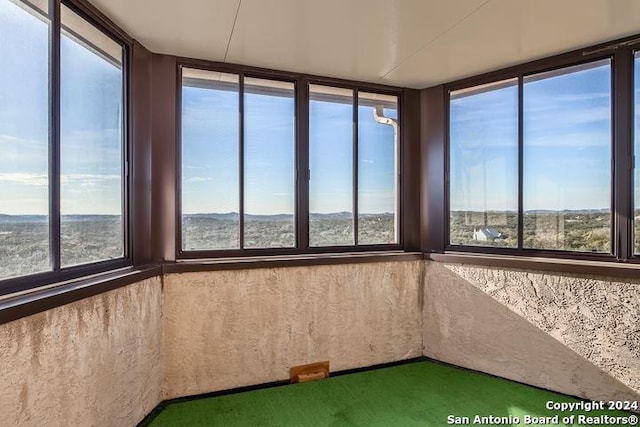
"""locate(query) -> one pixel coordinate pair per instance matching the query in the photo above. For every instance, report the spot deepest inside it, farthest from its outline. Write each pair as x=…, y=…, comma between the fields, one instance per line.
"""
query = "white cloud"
x=34, y=179
x=85, y=178
x=9, y=139
x=584, y=96
x=15, y=148
x=38, y=179
x=575, y=140
x=547, y=115
x=193, y=179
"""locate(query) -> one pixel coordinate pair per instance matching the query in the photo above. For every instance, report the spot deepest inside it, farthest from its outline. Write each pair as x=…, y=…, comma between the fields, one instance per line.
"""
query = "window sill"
x=237, y=263
x=556, y=265
x=17, y=305
x=26, y=303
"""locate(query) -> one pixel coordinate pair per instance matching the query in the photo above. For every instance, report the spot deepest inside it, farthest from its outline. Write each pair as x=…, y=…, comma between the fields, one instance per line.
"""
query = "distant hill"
x=331, y=215
x=87, y=218
x=233, y=216
x=543, y=211
x=268, y=218
x=21, y=219
x=568, y=211
x=15, y=219
x=346, y=215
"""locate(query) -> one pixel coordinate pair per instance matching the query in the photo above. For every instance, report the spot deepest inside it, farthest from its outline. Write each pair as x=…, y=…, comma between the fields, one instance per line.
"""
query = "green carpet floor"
x=414, y=394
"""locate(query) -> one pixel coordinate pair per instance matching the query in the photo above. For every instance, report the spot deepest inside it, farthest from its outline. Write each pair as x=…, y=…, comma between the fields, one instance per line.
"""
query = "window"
x=378, y=169
x=567, y=159
x=269, y=164
x=247, y=186
x=560, y=198
x=91, y=144
x=210, y=160
x=238, y=177
x=62, y=176
x=331, y=165
x=24, y=139
x=334, y=143
x=483, y=155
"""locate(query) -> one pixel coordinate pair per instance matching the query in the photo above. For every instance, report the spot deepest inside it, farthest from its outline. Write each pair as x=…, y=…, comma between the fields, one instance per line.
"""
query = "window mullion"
x=54, y=133
x=241, y=161
x=126, y=172
x=355, y=167
x=622, y=159
x=302, y=167
x=520, y=162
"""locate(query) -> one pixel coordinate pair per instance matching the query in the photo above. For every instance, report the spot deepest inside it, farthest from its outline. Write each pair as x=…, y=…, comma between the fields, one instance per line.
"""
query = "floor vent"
x=310, y=372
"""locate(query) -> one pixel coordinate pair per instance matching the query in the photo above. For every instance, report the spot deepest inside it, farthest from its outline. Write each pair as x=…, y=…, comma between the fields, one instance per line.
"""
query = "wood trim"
x=236, y=263
x=26, y=303
x=432, y=180
x=622, y=166
x=140, y=148
x=17, y=306
x=164, y=180
x=605, y=269
x=411, y=205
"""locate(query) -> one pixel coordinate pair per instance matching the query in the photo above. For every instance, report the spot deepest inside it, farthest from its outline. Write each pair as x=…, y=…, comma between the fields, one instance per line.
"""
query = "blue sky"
x=91, y=139
x=23, y=112
x=567, y=140
x=331, y=157
x=90, y=123
x=375, y=162
x=210, y=155
x=269, y=154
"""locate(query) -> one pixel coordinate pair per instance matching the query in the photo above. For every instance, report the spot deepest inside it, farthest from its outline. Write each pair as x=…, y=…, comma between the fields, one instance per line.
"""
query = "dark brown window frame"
x=301, y=179
x=620, y=52
x=422, y=215
x=59, y=273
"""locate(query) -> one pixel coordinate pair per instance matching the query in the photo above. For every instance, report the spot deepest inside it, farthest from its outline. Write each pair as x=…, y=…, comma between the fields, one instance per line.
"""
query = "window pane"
x=210, y=160
x=91, y=144
x=483, y=165
x=567, y=159
x=378, y=135
x=331, y=164
x=269, y=155
x=636, y=151
x=24, y=140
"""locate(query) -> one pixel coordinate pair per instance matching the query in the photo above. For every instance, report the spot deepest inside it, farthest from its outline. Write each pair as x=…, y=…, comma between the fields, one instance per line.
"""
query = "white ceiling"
x=413, y=43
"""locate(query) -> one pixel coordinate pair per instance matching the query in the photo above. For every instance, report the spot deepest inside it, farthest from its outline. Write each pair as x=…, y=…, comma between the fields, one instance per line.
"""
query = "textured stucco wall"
x=235, y=328
x=95, y=362
x=109, y=360
x=576, y=335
